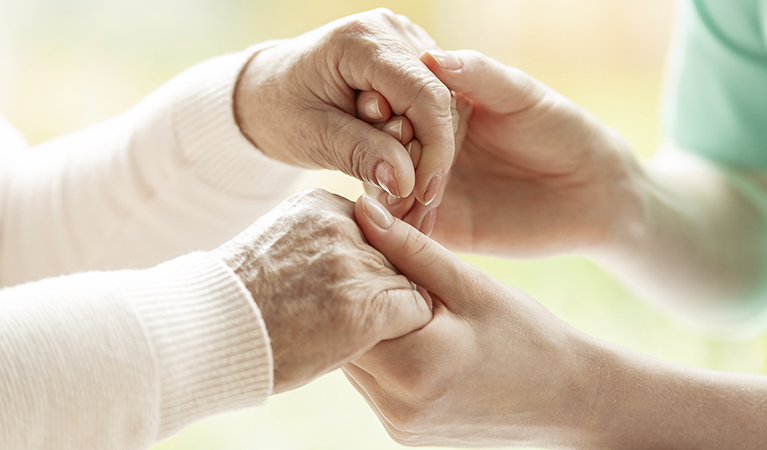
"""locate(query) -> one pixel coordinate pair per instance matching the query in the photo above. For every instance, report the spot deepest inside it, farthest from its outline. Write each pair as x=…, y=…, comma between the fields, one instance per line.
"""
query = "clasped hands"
x=508, y=167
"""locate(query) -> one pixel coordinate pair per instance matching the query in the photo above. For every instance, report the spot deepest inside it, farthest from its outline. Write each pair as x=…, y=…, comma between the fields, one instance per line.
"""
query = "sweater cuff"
x=210, y=343
x=211, y=142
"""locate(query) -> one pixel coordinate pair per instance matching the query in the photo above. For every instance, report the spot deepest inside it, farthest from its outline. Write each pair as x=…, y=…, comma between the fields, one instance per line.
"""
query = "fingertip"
x=414, y=149
x=432, y=189
x=398, y=207
x=445, y=61
x=372, y=107
x=386, y=164
x=405, y=180
x=398, y=127
x=368, y=210
x=435, y=161
x=386, y=178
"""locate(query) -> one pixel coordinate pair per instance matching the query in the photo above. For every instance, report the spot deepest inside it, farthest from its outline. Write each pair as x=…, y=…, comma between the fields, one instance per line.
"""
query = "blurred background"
x=67, y=64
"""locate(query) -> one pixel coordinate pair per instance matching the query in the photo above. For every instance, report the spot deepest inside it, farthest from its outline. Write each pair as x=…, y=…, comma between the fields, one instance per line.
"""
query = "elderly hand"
x=536, y=174
x=297, y=102
x=492, y=368
x=420, y=215
x=325, y=295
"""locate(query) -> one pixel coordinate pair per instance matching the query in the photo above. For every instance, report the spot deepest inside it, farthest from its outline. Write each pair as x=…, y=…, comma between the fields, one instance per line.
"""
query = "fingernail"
x=409, y=146
x=427, y=226
x=426, y=296
x=372, y=110
x=376, y=212
x=394, y=128
x=385, y=178
x=432, y=190
x=446, y=60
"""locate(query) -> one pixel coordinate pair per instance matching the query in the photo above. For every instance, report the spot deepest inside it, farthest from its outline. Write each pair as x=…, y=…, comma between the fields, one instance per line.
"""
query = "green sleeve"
x=715, y=105
x=715, y=101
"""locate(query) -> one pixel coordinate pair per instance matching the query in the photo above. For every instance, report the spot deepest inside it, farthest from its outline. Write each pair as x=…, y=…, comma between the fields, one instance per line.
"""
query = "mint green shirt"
x=715, y=101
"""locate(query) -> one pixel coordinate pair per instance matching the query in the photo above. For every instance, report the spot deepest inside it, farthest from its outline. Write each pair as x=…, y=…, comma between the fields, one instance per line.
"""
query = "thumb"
x=406, y=310
x=368, y=154
x=498, y=88
x=419, y=258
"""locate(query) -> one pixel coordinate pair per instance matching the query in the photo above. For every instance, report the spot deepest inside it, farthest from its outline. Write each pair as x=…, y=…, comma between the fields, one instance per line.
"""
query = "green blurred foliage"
x=65, y=65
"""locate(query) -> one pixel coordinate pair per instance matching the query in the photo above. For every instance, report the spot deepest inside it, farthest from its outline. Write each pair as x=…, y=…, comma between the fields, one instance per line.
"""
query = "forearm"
x=172, y=175
x=124, y=359
x=699, y=244
x=642, y=403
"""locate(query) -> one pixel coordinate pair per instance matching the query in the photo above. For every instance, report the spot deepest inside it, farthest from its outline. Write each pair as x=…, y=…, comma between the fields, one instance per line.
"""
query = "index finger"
x=420, y=259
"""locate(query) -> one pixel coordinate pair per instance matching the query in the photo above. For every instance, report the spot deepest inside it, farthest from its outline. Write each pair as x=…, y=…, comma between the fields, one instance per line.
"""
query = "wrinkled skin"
x=297, y=102
x=325, y=295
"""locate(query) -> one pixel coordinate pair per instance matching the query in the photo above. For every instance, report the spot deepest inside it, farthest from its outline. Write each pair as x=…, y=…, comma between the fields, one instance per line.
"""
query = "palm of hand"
x=528, y=183
x=446, y=383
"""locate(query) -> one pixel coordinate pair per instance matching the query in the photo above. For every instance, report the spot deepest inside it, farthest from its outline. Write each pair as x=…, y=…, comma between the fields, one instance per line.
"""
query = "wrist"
x=208, y=338
x=565, y=408
x=609, y=397
x=642, y=402
x=629, y=199
x=247, y=103
x=585, y=389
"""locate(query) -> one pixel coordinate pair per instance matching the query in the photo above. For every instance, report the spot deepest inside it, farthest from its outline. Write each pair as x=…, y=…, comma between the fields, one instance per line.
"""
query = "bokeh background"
x=67, y=64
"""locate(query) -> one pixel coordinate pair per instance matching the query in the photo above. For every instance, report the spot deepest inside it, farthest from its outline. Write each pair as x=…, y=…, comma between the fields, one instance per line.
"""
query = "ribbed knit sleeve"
x=172, y=175
x=122, y=359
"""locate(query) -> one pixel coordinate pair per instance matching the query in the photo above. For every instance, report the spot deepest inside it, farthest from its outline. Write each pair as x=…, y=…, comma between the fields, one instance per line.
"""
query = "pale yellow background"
x=67, y=64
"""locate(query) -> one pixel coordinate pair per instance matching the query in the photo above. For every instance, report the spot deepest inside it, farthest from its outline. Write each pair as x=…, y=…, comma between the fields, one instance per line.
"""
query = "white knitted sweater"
x=94, y=356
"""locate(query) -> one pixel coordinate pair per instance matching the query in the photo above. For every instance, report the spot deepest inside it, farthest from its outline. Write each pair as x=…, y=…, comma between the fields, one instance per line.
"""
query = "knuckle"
x=433, y=93
x=404, y=19
x=338, y=229
x=436, y=90
x=351, y=150
x=385, y=13
x=328, y=211
x=353, y=28
x=361, y=160
x=477, y=56
x=417, y=245
x=310, y=195
x=356, y=162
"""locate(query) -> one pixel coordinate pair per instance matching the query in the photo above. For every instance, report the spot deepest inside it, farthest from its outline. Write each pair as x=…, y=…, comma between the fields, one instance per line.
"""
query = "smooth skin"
x=494, y=368
x=537, y=175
